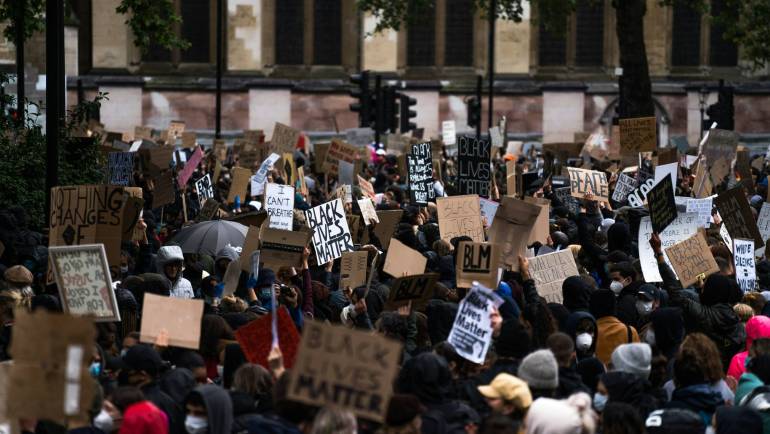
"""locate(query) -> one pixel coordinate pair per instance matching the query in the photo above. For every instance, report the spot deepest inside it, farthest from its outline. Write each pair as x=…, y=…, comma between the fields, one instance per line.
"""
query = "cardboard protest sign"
x=691, y=258
x=549, y=272
x=49, y=376
x=133, y=211
x=279, y=248
x=477, y=262
x=473, y=161
x=189, y=139
x=255, y=339
x=176, y=129
x=667, y=156
x=366, y=187
x=510, y=178
x=737, y=216
x=367, y=211
x=208, y=211
x=745, y=269
x=239, y=184
x=182, y=329
x=448, y=133
x=458, y=216
x=205, y=189
x=250, y=244
x=565, y=197
x=336, y=358
x=302, y=183
x=284, y=139
x=84, y=281
x=719, y=150
x=279, y=203
x=359, y=136
x=353, y=269
x=660, y=201
x=260, y=178
x=403, y=261
x=541, y=230
x=496, y=137
x=420, y=168
x=624, y=186
x=345, y=172
x=339, y=151
x=121, y=168
x=763, y=224
x=488, y=210
x=638, y=135
x=384, y=230
x=584, y=181
x=683, y=227
x=743, y=169
x=184, y=175
x=471, y=332
x=703, y=208
x=88, y=214
x=142, y=133
x=331, y=235
x=511, y=229
x=164, y=192
x=417, y=289
x=664, y=170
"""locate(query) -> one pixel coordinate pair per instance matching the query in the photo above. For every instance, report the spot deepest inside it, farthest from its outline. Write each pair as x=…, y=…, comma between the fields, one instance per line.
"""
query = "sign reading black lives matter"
x=471, y=332
x=331, y=235
x=205, y=189
x=121, y=166
x=662, y=205
x=473, y=174
x=420, y=167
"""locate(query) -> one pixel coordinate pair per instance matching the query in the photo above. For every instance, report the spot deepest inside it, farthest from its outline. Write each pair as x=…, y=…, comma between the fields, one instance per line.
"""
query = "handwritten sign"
x=417, y=289
x=84, y=282
x=332, y=359
x=367, y=211
x=121, y=167
x=331, y=235
x=719, y=150
x=661, y=204
x=471, y=332
x=638, y=135
x=182, y=329
x=239, y=184
x=473, y=161
x=420, y=169
x=684, y=226
x=458, y=216
x=259, y=179
x=550, y=271
x=448, y=133
x=366, y=187
x=189, y=167
x=205, y=189
x=403, y=261
x=745, y=269
x=763, y=223
x=477, y=262
x=511, y=229
x=339, y=151
x=279, y=203
x=284, y=139
x=353, y=269
x=623, y=187
x=584, y=181
x=703, y=208
x=691, y=258
x=737, y=216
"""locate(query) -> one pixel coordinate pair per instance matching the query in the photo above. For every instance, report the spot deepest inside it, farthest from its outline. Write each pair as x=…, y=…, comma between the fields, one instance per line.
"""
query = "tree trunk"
x=636, y=90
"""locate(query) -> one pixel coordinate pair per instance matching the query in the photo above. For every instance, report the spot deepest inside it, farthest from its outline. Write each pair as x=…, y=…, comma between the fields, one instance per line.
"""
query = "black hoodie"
x=219, y=408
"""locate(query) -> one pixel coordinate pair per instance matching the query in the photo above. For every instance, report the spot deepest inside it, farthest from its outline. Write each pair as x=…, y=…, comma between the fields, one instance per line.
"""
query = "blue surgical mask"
x=196, y=424
x=95, y=369
x=600, y=401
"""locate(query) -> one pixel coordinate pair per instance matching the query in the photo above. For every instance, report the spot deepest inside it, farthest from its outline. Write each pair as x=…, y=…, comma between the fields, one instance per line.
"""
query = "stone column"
x=269, y=102
x=111, y=36
x=123, y=111
x=563, y=112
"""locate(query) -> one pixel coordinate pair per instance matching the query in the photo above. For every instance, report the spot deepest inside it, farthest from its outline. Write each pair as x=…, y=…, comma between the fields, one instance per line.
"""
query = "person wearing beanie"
x=403, y=415
x=611, y=331
x=674, y=421
x=552, y=416
x=634, y=359
x=541, y=373
x=507, y=395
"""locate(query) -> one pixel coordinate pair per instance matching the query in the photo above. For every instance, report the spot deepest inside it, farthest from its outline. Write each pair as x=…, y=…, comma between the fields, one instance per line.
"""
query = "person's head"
x=513, y=341
x=170, y=261
x=562, y=347
x=635, y=358
x=194, y=362
x=507, y=395
x=755, y=300
x=725, y=266
x=573, y=415
x=706, y=355
x=742, y=419
x=744, y=312
x=759, y=347
x=403, y=415
x=760, y=366
x=142, y=366
x=214, y=328
x=621, y=418
x=334, y=420
x=603, y=303
x=253, y=380
x=208, y=409
x=674, y=421
x=647, y=299
x=110, y=418
x=622, y=274
x=541, y=372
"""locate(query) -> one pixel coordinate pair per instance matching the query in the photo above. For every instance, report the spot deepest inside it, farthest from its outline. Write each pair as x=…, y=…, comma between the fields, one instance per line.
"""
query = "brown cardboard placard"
x=284, y=139
x=367, y=211
x=691, y=258
x=353, y=269
x=176, y=129
x=743, y=169
x=356, y=229
x=209, y=210
x=144, y=133
x=403, y=261
x=302, y=183
x=736, y=214
x=339, y=151
x=458, y=216
x=320, y=150
x=417, y=289
x=511, y=227
x=279, y=248
x=240, y=182
x=719, y=150
x=183, y=328
x=584, y=181
x=550, y=271
x=667, y=156
x=189, y=139
x=541, y=230
x=254, y=136
x=250, y=244
x=220, y=149
x=389, y=220
x=477, y=262
x=366, y=187
x=510, y=177
x=638, y=135
x=49, y=376
x=326, y=352
x=132, y=213
x=164, y=192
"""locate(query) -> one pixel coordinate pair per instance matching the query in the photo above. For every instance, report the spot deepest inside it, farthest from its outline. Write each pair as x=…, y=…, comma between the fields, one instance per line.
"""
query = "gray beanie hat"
x=540, y=370
x=634, y=359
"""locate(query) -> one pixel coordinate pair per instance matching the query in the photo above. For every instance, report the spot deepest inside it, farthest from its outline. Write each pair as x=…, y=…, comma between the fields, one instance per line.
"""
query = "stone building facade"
x=289, y=61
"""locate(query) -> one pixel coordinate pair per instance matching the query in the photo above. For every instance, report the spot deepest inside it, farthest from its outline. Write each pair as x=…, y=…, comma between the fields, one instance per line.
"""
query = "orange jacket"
x=612, y=333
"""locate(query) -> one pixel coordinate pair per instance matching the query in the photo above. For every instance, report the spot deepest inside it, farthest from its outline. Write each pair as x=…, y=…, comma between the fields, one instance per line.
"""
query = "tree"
x=746, y=23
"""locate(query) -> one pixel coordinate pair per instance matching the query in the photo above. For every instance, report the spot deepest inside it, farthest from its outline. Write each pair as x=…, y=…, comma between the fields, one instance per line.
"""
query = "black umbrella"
x=210, y=237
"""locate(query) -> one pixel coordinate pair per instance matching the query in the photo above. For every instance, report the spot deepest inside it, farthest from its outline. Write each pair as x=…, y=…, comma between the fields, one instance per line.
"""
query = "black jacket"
x=570, y=383
x=174, y=411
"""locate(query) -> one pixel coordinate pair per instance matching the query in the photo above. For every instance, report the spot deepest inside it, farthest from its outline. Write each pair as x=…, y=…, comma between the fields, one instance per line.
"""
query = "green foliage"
x=152, y=22
x=747, y=23
x=23, y=158
x=33, y=17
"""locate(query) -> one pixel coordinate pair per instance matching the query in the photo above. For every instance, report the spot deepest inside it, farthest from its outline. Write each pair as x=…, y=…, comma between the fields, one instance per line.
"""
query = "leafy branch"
x=152, y=22
x=33, y=17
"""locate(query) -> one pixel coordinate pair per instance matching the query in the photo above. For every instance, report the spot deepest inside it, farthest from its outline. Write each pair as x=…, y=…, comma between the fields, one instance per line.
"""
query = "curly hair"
x=705, y=355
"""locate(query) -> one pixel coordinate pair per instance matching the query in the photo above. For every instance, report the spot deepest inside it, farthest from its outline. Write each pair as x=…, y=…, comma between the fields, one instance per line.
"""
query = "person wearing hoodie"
x=625, y=286
x=209, y=411
x=581, y=327
x=757, y=372
x=225, y=256
x=623, y=387
x=611, y=331
x=169, y=263
x=665, y=331
x=728, y=420
x=563, y=349
x=756, y=327
x=576, y=294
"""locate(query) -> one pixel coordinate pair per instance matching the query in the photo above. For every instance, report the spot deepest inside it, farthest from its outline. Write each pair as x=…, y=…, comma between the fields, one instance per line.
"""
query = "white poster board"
x=471, y=332
x=683, y=227
x=279, y=203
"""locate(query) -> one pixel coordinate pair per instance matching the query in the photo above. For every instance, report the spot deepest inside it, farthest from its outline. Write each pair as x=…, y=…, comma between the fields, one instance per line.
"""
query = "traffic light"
x=391, y=108
x=364, y=106
x=723, y=112
x=474, y=111
x=407, y=114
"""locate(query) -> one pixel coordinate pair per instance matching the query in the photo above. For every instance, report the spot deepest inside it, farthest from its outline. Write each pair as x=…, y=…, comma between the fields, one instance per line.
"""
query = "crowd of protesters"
x=618, y=356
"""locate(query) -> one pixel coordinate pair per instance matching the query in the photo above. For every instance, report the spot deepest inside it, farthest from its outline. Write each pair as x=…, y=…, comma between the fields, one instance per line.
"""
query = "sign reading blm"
x=473, y=175
x=420, y=165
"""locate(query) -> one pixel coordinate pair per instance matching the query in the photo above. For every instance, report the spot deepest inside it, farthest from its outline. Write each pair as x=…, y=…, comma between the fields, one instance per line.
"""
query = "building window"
x=289, y=32
x=327, y=32
x=589, y=34
x=421, y=36
x=459, y=33
x=552, y=47
x=685, y=49
x=722, y=52
x=196, y=28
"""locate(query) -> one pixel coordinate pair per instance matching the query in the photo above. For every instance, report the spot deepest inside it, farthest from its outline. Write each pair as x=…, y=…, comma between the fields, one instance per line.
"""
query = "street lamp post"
x=491, y=59
x=20, y=97
x=703, y=95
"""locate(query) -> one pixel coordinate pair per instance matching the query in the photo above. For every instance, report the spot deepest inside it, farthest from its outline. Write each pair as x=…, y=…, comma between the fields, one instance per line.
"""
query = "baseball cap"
x=508, y=388
x=649, y=292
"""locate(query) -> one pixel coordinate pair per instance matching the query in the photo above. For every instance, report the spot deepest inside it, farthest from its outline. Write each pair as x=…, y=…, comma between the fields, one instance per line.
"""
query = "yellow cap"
x=508, y=388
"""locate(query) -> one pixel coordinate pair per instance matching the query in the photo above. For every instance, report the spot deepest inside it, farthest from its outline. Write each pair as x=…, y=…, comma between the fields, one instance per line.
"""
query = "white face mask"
x=600, y=401
x=196, y=424
x=583, y=341
x=643, y=307
x=104, y=422
x=649, y=337
x=616, y=287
